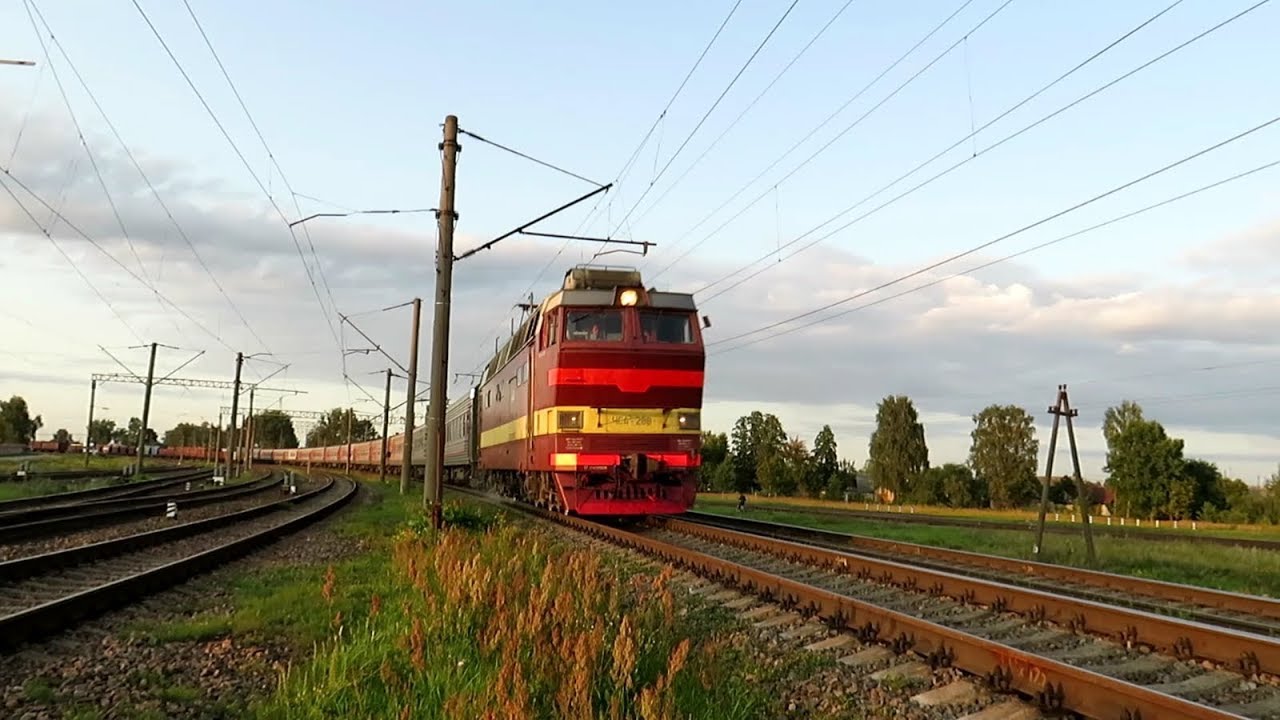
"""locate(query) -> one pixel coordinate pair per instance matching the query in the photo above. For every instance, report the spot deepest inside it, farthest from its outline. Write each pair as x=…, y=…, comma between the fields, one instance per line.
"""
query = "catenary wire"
x=812, y=40
x=1011, y=256
x=787, y=153
x=528, y=157
x=964, y=161
x=150, y=185
x=706, y=115
x=235, y=148
x=98, y=246
x=74, y=265
x=1049, y=218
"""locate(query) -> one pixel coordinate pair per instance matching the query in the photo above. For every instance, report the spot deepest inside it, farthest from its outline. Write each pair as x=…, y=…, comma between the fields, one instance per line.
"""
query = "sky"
x=832, y=160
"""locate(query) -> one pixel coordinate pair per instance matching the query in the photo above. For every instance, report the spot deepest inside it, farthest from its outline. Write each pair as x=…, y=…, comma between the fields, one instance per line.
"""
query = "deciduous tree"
x=754, y=436
x=101, y=431
x=61, y=435
x=1003, y=454
x=897, y=455
x=332, y=429
x=274, y=429
x=16, y=423
x=1119, y=417
x=826, y=459
x=1145, y=466
x=129, y=435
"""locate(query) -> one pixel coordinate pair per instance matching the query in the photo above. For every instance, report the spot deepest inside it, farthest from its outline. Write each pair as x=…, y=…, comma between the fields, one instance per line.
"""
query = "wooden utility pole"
x=432, y=490
x=146, y=408
x=88, y=435
x=406, y=460
x=235, y=403
x=1060, y=409
x=386, y=418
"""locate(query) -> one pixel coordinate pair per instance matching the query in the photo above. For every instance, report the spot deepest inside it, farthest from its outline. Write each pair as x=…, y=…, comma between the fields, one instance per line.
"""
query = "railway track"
x=45, y=593
x=1064, y=653
x=55, y=519
x=1016, y=526
x=1250, y=613
x=155, y=484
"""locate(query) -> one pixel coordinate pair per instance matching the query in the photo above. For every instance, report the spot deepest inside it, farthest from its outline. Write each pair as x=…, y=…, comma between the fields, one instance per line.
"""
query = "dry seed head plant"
x=511, y=622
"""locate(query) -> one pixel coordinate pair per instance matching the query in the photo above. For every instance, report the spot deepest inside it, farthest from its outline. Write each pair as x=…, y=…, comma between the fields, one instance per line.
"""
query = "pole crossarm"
x=182, y=382
x=531, y=223
x=608, y=241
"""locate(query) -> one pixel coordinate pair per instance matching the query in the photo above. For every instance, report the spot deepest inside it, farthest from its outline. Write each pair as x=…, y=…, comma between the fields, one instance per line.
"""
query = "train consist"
x=592, y=407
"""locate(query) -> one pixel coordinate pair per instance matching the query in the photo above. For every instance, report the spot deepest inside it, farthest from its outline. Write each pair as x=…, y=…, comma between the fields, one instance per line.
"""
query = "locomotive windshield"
x=664, y=327
x=593, y=325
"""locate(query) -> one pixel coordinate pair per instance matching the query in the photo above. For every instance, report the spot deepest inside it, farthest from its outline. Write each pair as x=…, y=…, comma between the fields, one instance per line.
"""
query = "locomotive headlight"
x=628, y=297
x=569, y=420
x=690, y=420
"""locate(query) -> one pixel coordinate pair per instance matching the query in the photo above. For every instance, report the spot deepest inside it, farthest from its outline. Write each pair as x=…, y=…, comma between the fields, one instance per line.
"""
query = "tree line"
x=1148, y=475
x=272, y=428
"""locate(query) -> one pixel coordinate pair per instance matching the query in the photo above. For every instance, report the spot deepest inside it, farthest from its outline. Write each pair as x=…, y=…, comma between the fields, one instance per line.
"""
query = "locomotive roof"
x=585, y=285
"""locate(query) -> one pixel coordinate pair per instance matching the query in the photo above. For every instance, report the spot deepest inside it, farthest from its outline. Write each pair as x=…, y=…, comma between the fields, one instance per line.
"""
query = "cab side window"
x=550, y=330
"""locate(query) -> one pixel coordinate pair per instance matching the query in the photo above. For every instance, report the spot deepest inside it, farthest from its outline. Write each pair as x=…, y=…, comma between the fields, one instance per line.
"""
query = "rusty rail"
x=1184, y=639
x=1172, y=592
x=1054, y=685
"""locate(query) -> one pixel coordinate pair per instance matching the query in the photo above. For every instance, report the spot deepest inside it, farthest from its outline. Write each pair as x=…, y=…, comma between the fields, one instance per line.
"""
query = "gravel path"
x=102, y=665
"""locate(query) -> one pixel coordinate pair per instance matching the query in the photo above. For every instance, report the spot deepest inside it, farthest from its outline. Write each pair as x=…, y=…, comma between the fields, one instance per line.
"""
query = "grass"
x=45, y=462
x=494, y=614
x=53, y=461
x=1013, y=517
x=1246, y=570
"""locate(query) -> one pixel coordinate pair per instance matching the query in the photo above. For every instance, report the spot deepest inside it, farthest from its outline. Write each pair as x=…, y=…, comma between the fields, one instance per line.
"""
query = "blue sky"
x=350, y=97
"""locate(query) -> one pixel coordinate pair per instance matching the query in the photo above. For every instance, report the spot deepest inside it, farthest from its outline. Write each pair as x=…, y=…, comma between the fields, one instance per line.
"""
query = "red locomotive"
x=593, y=407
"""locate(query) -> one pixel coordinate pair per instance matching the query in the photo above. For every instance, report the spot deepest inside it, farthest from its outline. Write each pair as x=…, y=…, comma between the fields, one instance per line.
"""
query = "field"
x=1245, y=570
x=1013, y=517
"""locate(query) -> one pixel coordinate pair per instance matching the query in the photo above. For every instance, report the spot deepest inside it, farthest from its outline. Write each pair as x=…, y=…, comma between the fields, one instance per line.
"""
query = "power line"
x=529, y=157
x=1019, y=254
x=93, y=161
x=706, y=115
x=636, y=153
x=747, y=109
x=1006, y=236
x=151, y=186
x=270, y=155
x=245, y=162
x=1027, y=128
x=802, y=141
x=74, y=265
x=98, y=246
x=626, y=166
x=22, y=126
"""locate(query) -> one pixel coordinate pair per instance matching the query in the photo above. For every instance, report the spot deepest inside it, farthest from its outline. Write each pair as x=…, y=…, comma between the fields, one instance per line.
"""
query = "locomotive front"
x=617, y=396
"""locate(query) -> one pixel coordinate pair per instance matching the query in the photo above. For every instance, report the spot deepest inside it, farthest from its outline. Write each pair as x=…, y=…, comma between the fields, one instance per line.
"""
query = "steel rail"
x=1260, y=606
x=62, y=612
x=45, y=522
x=1126, y=533
x=1054, y=685
x=74, y=496
x=1244, y=652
